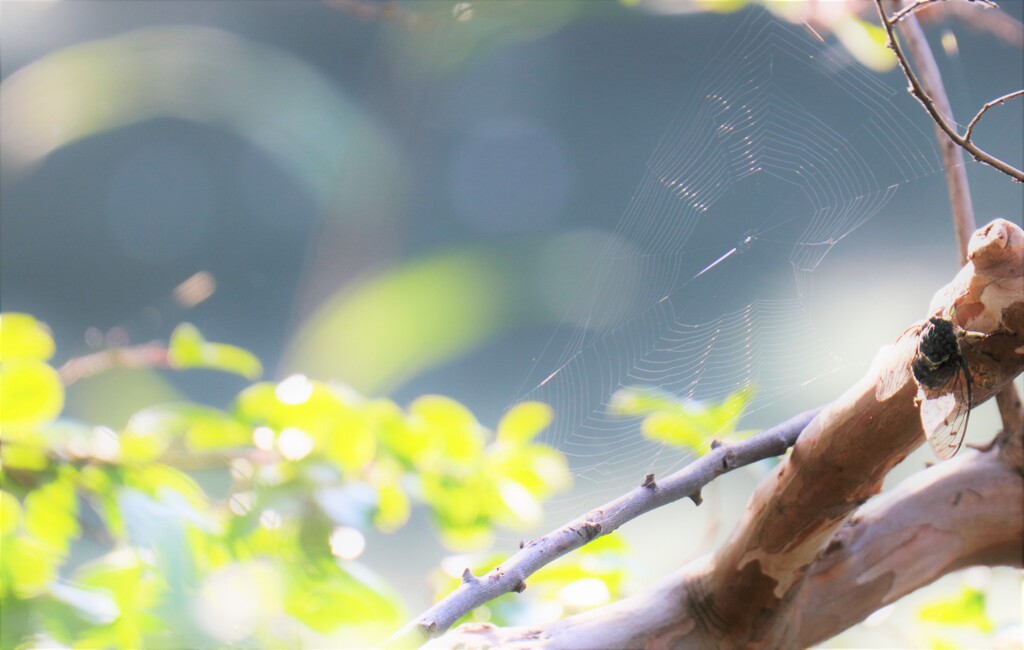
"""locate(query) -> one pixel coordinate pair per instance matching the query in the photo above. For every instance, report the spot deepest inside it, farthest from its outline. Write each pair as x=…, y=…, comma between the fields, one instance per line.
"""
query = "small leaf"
x=725, y=415
x=26, y=457
x=966, y=609
x=29, y=564
x=23, y=337
x=631, y=402
x=150, y=430
x=10, y=512
x=393, y=508
x=866, y=41
x=682, y=423
x=451, y=433
x=51, y=514
x=188, y=349
x=31, y=393
x=680, y=429
x=351, y=597
x=523, y=422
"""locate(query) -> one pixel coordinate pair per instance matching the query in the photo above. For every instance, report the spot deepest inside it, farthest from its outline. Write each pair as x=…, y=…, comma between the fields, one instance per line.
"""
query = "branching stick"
x=912, y=31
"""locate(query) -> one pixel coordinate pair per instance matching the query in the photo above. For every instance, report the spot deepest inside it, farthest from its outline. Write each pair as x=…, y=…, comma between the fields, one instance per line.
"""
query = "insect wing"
x=944, y=417
x=895, y=376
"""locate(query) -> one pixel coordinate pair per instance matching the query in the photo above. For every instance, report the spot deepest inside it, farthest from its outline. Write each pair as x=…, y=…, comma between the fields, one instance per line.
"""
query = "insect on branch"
x=918, y=91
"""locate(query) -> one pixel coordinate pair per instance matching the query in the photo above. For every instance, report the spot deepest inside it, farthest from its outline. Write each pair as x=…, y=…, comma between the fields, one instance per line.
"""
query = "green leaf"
x=722, y=6
x=150, y=431
x=333, y=417
x=188, y=349
x=23, y=337
x=26, y=457
x=349, y=598
x=51, y=514
x=676, y=428
x=31, y=393
x=539, y=468
x=452, y=434
x=965, y=609
x=866, y=41
x=635, y=401
x=135, y=589
x=681, y=423
x=28, y=565
x=10, y=513
x=393, y=508
x=523, y=422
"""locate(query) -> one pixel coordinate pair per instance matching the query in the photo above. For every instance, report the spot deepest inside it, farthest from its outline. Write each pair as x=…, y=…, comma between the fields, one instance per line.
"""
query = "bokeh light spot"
x=294, y=444
x=296, y=389
x=586, y=592
x=347, y=543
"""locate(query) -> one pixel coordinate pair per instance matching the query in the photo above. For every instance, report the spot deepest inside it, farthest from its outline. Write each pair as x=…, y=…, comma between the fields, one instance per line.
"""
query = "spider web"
x=786, y=147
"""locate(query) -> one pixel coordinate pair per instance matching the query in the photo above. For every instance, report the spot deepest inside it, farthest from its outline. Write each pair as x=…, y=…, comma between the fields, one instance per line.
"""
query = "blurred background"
x=452, y=198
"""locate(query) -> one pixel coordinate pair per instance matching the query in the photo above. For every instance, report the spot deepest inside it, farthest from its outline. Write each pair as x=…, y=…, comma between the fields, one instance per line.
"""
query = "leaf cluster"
x=193, y=526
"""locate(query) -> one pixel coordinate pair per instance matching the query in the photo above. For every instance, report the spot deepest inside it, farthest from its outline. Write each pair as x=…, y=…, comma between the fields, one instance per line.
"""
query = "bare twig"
x=651, y=494
x=146, y=355
x=914, y=6
x=952, y=155
x=984, y=109
x=912, y=31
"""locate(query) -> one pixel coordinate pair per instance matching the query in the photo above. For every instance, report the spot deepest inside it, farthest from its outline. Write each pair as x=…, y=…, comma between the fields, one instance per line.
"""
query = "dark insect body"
x=940, y=366
x=938, y=355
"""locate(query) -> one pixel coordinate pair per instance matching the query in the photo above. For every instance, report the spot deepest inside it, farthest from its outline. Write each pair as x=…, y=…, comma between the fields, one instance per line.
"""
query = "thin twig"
x=984, y=109
x=916, y=89
x=511, y=575
x=146, y=355
x=911, y=8
x=952, y=155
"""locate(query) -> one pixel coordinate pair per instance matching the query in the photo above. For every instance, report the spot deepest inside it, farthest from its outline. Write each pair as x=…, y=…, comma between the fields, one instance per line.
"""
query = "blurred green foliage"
x=121, y=539
x=966, y=608
x=683, y=423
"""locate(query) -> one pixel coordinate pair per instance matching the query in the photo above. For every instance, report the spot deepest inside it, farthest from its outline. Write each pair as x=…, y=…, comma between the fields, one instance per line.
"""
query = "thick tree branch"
x=957, y=514
x=919, y=47
x=749, y=593
x=686, y=483
x=961, y=513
